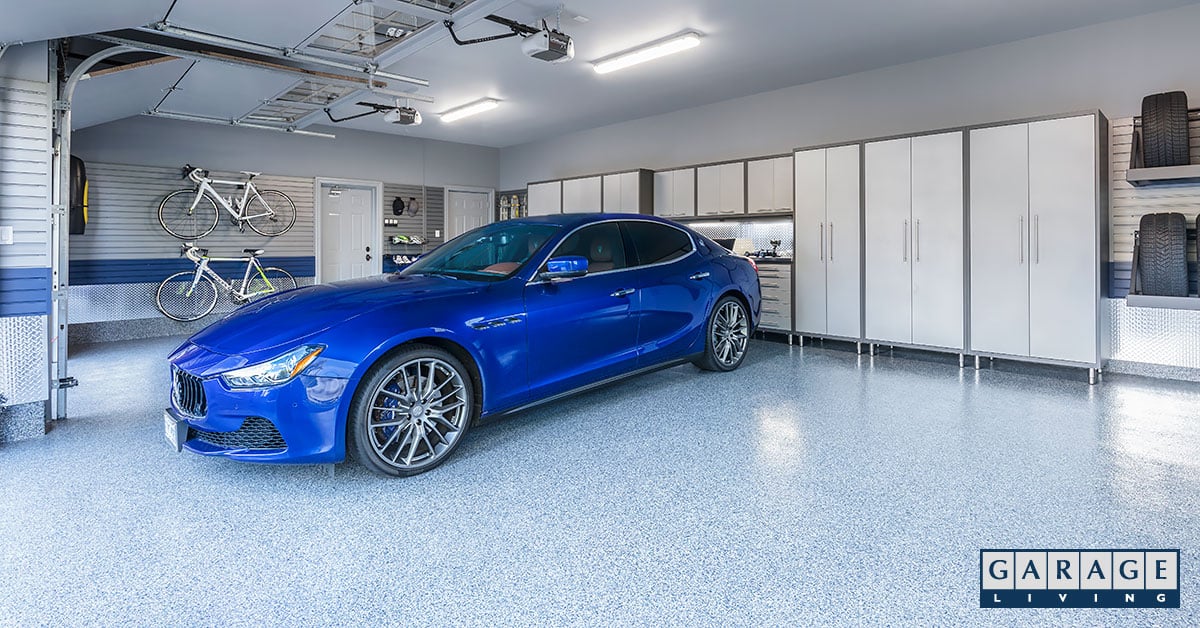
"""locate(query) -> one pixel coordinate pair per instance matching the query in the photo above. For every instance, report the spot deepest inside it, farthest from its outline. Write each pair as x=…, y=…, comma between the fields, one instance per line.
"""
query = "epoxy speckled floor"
x=811, y=487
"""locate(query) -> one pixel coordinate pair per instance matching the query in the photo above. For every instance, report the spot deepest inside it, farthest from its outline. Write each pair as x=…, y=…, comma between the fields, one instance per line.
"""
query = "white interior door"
x=1063, y=243
x=889, y=241
x=348, y=225
x=843, y=212
x=1000, y=240
x=466, y=211
x=810, y=300
x=937, y=212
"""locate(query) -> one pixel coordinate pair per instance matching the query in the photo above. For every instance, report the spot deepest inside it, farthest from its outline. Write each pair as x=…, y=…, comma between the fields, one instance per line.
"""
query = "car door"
x=675, y=288
x=583, y=330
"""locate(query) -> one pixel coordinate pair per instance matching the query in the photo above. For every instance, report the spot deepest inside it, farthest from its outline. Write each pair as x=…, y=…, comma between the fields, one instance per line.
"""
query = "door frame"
x=376, y=188
x=491, y=217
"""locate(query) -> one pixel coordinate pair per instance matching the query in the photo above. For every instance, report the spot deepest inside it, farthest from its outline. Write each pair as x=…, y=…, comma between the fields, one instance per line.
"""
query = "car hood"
x=298, y=314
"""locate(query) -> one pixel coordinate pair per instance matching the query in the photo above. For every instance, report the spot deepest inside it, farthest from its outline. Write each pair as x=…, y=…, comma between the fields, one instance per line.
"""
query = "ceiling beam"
x=129, y=66
x=359, y=82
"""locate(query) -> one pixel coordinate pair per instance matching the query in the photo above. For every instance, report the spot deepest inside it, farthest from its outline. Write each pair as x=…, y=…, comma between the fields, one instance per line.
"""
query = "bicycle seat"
x=251, y=174
x=253, y=252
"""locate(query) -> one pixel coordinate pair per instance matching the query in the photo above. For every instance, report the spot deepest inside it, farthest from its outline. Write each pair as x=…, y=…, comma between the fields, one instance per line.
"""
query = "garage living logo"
x=1078, y=578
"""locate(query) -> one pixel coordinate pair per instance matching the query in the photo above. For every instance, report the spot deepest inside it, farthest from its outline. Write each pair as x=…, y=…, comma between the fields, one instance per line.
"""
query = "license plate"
x=175, y=430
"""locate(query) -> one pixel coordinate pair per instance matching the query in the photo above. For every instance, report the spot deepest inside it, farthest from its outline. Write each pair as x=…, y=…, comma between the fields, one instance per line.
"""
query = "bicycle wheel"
x=180, y=219
x=178, y=300
x=277, y=280
x=270, y=213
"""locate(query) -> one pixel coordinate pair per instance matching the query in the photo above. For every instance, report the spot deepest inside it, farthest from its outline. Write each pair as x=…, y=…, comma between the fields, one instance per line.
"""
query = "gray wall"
x=354, y=154
x=1108, y=66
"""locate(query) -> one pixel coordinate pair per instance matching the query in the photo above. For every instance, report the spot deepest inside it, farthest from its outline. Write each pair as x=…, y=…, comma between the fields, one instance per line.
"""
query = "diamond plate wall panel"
x=760, y=232
x=23, y=354
x=127, y=302
x=1154, y=336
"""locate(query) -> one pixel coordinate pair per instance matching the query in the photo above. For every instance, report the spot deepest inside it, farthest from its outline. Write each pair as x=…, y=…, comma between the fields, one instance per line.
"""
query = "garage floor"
x=812, y=486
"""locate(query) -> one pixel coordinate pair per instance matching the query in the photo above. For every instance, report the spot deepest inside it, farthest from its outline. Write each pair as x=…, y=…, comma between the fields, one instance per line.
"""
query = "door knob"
x=368, y=257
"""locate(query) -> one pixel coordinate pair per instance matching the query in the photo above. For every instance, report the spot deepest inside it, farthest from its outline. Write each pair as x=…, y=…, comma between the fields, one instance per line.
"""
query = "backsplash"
x=759, y=232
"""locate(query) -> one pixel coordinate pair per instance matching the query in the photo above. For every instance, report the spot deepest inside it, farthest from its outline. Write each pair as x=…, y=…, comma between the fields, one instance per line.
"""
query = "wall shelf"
x=1163, y=303
x=1163, y=176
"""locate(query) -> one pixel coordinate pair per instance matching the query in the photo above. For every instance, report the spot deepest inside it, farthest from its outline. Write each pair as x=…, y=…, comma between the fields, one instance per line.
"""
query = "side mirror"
x=565, y=267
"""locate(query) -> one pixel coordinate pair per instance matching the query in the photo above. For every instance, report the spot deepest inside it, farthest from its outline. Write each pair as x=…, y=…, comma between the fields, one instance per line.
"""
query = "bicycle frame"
x=237, y=210
x=252, y=263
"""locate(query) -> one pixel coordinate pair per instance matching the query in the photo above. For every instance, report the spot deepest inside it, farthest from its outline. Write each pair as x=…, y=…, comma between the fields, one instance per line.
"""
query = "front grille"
x=255, y=433
x=189, y=394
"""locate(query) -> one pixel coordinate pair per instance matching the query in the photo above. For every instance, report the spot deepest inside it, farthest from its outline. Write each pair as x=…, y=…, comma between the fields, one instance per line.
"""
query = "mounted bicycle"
x=192, y=214
x=192, y=295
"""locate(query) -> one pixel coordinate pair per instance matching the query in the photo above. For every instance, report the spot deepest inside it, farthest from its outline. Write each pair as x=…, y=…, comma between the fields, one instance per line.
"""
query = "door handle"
x=831, y=240
x=917, y=242
x=699, y=276
x=368, y=257
x=904, y=235
x=623, y=292
x=821, y=226
x=1037, y=240
x=1021, y=239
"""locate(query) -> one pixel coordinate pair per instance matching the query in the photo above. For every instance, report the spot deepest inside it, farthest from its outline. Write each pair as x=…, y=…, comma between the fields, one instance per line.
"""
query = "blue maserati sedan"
x=392, y=370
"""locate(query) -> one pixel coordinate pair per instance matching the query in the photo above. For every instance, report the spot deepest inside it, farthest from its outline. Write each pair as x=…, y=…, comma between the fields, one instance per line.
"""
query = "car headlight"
x=275, y=371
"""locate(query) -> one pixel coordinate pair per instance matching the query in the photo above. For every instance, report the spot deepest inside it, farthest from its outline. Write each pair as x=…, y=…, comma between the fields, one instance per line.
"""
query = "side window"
x=601, y=244
x=655, y=243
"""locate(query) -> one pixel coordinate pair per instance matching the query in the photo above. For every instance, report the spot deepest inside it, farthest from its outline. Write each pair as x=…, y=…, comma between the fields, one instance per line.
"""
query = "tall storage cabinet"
x=914, y=241
x=1036, y=228
x=828, y=206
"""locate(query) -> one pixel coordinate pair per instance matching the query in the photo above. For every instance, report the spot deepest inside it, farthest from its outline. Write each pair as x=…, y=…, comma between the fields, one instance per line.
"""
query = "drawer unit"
x=775, y=281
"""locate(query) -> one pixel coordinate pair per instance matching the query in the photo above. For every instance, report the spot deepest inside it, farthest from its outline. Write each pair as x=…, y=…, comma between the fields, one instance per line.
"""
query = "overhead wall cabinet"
x=721, y=189
x=544, y=199
x=675, y=193
x=582, y=195
x=1038, y=239
x=629, y=192
x=769, y=185
x=914, y=241
x=827, y=248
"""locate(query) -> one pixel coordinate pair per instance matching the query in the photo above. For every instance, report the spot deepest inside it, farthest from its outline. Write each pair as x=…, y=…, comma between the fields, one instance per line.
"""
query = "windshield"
x=489, y=253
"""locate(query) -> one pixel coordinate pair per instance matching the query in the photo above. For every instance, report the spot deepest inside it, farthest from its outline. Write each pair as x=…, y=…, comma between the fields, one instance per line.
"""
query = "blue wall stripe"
x=113, y=271
x=24, y=291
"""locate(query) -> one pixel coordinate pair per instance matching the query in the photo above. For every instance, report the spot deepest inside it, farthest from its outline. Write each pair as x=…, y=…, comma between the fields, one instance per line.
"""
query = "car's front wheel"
x=727, y=335
x=412, y=409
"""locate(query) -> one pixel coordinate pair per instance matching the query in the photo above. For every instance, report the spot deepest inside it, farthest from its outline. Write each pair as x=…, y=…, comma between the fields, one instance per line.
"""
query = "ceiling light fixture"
x=649, y=52
x=479, y=106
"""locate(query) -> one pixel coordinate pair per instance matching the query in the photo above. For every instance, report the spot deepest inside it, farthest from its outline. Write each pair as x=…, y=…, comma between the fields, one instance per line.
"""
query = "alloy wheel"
x=418, y=413
x=730, y=333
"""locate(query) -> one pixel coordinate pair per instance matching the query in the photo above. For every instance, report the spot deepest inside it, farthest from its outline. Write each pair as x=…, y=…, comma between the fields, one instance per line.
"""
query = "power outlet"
x=437, y=233
x=6, y=235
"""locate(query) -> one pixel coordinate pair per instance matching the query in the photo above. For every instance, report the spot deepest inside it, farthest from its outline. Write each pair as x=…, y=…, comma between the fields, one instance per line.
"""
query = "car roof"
x=574, y=220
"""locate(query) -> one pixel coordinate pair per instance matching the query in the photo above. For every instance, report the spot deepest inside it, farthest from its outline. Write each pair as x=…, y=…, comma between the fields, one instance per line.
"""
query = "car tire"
x=403, y=425
x=1162, y=255
x=726, y=336
x=1165, y=130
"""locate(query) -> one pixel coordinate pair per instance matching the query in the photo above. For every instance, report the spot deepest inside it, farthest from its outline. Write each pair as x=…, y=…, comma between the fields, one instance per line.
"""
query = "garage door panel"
x=259, y=22
x=123, y=94
x=212, y=89
x=51, y=19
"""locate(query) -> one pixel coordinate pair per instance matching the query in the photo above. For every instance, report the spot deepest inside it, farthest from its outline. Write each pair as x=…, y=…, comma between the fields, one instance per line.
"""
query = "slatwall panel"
x=25, y=172
x=1130, y=203
x=123, y=223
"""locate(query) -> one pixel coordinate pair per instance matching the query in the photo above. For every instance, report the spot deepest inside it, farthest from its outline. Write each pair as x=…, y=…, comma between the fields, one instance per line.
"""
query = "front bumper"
x=293, y=423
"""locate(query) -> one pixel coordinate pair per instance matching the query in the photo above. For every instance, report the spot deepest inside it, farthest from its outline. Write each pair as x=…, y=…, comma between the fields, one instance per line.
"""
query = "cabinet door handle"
x=821, y=241
x=1021, y=239
x=831, y=240
x=904, y=236
x=1037, y=241
x=917, y=242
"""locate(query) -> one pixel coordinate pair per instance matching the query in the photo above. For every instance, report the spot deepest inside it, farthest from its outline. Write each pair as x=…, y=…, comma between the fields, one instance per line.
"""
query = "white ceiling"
x=750, y=46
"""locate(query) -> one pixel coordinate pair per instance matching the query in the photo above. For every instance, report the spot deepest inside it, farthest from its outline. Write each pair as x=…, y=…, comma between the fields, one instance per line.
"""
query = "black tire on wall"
x=1165, y=130
x=1162, y=256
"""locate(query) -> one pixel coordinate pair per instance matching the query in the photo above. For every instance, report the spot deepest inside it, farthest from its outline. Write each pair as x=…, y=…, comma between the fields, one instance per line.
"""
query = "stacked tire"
x=1162, y=255
x=1165, y=130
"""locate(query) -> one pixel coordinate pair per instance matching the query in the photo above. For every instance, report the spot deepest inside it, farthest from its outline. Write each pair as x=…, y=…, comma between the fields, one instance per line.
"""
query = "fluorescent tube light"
x=479, y=106
x=649, y=52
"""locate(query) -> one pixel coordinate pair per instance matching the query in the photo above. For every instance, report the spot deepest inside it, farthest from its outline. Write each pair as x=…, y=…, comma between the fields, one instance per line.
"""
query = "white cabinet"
x=675, y=193
x=544, y=198
x=769, y=185
x=827, y=273
x=914, y=241
x=721, y=190
x=581, y=195
x=708, y=191
x=1035, y=240
x=775, y=282
x=623, y=192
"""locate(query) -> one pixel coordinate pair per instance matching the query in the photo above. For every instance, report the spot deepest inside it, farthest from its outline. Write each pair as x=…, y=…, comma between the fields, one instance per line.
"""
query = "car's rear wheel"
x=412, y=409
x=728, y=334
